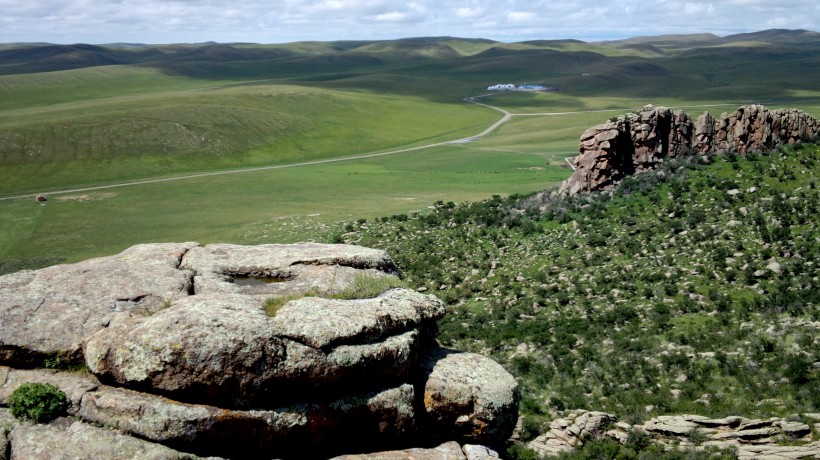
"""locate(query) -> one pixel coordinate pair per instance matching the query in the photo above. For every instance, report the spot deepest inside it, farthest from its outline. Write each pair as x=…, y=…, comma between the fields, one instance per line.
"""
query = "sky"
x=283, y=21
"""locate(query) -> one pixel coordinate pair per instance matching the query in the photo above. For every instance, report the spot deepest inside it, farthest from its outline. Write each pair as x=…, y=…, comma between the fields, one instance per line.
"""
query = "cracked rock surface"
x=240, y=352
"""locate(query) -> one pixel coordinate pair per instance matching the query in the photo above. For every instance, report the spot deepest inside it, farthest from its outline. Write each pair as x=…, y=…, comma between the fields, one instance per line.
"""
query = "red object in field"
x=41, y=199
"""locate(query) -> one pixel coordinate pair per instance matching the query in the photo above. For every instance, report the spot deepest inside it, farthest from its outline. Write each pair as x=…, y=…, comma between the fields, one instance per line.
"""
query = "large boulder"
x=47, y=313
x=470, y=397
x=75, y=439
x=225, y=349
x=307, y=430
x=446, y=451
x=281, y=270
x=274, y=350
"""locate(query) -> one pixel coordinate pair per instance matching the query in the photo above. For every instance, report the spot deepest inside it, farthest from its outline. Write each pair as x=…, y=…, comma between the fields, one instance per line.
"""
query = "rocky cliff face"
x=640, y=141
x=241, y=352
x=773, y=438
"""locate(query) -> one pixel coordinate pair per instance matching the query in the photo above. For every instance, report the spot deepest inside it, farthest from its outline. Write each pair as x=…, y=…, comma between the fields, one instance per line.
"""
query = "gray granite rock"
x=354, y=421
x=74, y=385
x=281, y=270
x=77, y=440
x=470, y=397
x=48, y=312
x=447, y=451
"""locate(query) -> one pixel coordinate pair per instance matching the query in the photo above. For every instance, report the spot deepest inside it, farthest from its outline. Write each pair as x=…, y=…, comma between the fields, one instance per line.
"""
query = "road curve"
x=507, y=116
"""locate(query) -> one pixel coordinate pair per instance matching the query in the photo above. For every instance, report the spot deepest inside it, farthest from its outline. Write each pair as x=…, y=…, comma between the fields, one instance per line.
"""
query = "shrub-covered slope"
x=692, y=289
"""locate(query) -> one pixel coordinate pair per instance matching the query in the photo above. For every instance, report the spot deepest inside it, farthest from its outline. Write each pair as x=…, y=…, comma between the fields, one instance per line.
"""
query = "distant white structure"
x=521, y=87
x=528, y=87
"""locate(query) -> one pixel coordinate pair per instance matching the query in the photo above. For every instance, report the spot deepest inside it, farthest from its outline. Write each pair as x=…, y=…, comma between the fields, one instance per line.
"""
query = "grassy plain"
x=283, y=205
x=181, y=110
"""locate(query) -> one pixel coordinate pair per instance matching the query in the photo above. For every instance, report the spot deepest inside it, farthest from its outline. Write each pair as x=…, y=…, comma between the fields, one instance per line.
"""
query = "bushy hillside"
x=693, y=289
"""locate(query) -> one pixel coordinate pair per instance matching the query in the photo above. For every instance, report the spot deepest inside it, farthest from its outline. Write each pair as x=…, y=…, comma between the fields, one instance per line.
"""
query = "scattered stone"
x=751, y=438
x=568, y=433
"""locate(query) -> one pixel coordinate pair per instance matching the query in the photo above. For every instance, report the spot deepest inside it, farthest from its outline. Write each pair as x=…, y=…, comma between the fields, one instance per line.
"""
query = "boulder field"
x=177, y=350
x=640, y=141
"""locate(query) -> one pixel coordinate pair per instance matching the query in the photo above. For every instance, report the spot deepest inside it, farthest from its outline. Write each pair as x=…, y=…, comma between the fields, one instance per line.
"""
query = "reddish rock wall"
x=640, y=141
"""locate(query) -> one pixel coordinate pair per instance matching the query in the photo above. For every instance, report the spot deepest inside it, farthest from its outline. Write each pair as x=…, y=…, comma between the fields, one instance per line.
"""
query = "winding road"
x=507, y=116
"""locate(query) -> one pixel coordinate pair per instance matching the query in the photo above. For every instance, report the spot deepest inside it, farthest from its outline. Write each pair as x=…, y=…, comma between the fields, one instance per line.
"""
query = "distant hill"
x=774, y=36
x=212, y=59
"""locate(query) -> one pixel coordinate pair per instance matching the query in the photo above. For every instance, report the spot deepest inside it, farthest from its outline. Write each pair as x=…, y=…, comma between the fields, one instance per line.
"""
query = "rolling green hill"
x=74, y=116
x=689, y=290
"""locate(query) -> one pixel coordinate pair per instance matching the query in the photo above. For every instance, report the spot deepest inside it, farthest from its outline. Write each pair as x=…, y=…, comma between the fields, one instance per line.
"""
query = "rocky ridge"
x=195, y=350
x=753, y=439
x=640, y=141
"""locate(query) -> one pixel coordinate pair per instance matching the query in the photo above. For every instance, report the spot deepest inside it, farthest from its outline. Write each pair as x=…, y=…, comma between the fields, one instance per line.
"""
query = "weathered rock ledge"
x=640, y=141
x=241, y=352
x=753, y=439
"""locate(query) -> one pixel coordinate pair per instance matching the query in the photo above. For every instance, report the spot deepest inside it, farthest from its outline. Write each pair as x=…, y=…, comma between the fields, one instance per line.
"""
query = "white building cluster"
x=502, y=87
x=511, y=87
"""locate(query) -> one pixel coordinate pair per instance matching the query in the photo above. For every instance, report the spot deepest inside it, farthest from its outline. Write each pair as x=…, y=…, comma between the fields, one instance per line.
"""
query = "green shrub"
x=40, y=402
x=273, y=304
x=368, y=286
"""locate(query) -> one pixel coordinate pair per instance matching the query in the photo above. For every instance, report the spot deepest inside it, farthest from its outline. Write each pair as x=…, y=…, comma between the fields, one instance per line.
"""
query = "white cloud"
x=521, y=16
x=698, y=8
x=468, y=13
x=166, y=21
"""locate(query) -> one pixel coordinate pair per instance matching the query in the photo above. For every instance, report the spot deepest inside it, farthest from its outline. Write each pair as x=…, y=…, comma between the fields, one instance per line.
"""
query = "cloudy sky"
x=280, y=21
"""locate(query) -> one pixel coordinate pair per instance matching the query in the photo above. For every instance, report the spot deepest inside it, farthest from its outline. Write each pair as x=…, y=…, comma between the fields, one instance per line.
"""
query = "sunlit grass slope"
x=291, y=204
x=194, y=128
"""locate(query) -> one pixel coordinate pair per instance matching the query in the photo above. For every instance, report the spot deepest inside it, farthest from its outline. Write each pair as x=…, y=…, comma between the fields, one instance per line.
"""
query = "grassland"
x=670, y=296
x=161, y=112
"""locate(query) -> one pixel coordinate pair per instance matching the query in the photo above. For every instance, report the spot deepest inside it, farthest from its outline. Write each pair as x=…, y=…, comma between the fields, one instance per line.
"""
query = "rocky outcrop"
x=47, y=313
x=447, y=451
x=567, y=433
x=640, y=141
x=751, y=438
x=82, y=440
x=243, y=352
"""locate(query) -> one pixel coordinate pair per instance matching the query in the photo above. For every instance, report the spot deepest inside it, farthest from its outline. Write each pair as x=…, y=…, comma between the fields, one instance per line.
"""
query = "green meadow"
x=168, y=112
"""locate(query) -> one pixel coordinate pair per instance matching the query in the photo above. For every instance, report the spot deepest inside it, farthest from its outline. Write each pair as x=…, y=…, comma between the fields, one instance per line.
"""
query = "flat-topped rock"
x=279, y=270
x=48, y=312
x=74, y=439
x=322, y=323
x=288, y=351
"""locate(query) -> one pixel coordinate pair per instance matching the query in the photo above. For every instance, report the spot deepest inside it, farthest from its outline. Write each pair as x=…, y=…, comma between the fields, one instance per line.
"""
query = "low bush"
x=39, y=402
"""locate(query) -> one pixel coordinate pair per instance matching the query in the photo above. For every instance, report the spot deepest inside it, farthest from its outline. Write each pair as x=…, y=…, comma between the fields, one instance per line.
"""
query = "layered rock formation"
x=639, y=141
x=242, y=351
x=753, y=439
